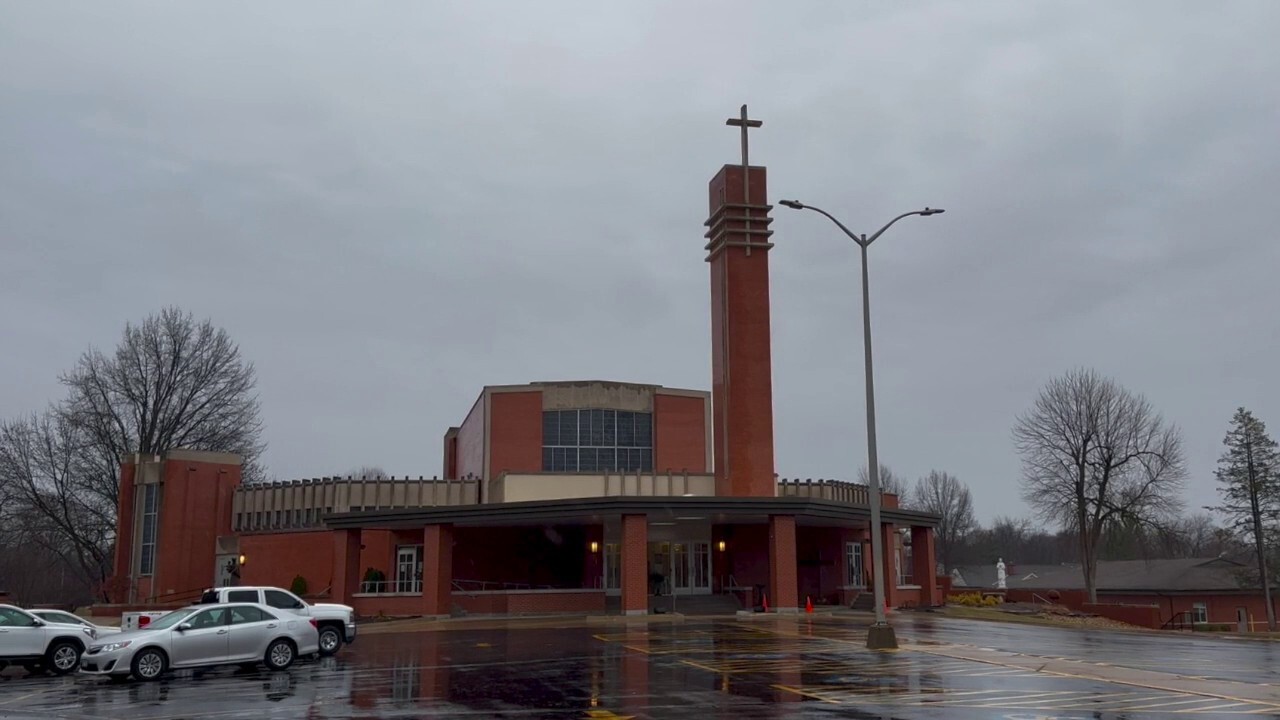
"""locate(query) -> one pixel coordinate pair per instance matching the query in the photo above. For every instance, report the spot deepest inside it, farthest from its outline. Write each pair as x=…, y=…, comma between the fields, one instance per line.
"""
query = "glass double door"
x=680, y=568
x=675, y=568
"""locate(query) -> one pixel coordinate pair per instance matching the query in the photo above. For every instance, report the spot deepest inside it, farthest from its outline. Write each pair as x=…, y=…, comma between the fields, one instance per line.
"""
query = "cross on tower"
x=742, y=122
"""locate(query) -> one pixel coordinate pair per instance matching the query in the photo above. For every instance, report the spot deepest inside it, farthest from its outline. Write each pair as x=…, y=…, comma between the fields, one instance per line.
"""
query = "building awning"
x=720, y=510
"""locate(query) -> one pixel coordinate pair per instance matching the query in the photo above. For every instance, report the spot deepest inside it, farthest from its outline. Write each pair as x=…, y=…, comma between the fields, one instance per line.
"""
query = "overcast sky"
x=391, y=205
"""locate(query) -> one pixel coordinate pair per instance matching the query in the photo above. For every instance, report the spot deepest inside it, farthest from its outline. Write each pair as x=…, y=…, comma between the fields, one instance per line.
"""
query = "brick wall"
x=374, y=606
x=190, y=521
x=680, y=434
x=1147, y=616
x=515, y=432
x=529, y=603
x=470, y=443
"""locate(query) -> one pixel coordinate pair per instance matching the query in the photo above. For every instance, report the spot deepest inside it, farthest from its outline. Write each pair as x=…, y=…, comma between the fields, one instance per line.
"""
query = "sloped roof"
x=1179, y=575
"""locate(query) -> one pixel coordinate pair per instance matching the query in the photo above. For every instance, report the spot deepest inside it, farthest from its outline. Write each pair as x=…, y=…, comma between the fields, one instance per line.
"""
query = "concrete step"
x=695, y=604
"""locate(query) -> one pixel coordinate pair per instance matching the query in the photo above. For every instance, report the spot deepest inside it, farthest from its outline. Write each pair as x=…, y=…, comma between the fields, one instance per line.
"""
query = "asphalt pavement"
x=744, y=669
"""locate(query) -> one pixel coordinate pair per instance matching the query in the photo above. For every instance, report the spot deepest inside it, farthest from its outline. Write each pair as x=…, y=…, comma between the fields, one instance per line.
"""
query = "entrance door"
x=854, y=567
x=408, y=569
x=226, y=570
x=612, y=569
x=690, y=565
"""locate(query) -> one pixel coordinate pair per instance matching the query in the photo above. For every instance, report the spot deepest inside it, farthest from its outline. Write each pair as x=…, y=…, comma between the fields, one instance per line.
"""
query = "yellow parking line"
x=809, y=695
x=10, y=701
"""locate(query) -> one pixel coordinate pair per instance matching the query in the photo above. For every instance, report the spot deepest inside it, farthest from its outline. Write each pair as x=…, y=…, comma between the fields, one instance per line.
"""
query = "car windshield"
x=168, y=621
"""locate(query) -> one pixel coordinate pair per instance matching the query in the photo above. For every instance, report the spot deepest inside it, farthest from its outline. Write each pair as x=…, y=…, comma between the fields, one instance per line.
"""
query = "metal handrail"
x=1180, y=620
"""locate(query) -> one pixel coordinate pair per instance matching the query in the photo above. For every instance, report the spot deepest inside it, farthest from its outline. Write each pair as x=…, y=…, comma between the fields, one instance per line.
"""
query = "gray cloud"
x=390, y=207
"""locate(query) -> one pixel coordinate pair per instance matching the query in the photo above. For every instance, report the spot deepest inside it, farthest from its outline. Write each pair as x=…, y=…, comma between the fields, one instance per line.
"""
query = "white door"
x=854, y=568
x=409, y=569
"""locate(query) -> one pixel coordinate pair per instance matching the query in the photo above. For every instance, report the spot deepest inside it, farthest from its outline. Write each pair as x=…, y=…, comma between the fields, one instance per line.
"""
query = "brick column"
x=635, y=564
x=890, y=545
x=924, y=565
x=346, y=565
x=437, y=570
x=783, y=583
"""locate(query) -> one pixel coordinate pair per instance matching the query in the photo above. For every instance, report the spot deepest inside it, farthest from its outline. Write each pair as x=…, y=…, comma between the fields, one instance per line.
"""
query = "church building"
x=582, y=496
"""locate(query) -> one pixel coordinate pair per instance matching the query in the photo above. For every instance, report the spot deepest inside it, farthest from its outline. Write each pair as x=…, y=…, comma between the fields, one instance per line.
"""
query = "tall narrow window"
x=150, y=508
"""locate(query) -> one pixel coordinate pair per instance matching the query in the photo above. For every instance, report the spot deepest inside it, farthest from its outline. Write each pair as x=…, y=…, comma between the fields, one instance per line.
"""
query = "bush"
x=298, y=586
x=974, y=599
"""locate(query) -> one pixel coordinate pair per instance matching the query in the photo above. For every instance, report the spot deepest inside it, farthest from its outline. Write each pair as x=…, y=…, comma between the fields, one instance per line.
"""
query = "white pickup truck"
x=336, y=623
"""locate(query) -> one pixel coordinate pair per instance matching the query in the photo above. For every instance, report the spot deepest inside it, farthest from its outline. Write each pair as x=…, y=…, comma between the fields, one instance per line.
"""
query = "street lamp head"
x=932, y=211
x=793, y=204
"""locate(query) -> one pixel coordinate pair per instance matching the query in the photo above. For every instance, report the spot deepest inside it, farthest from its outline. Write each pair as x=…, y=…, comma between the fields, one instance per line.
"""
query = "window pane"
x=625, y=425
x=643, y=430
x=568, y=427
x=145, y=564
x=597, y=428
x=242, y=596
x=605, y=460
x=646, y=460
x=548, y=462
x=550, y=428
x=587, y=459
x=243, y=615
x=610, y=428
x=277, y=599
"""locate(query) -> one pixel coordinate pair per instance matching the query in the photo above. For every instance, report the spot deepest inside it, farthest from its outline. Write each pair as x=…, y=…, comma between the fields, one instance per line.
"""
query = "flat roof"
x=808, y=511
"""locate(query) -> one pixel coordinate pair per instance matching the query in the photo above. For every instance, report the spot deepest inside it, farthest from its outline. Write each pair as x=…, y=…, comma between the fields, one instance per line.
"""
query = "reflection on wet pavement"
x=705, y=669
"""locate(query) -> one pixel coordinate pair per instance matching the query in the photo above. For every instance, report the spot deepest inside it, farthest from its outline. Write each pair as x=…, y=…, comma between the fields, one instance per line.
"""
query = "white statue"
x=1000, y=574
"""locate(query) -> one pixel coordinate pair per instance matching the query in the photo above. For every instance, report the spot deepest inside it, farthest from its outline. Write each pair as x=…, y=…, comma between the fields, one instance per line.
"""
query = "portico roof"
x=808, y=511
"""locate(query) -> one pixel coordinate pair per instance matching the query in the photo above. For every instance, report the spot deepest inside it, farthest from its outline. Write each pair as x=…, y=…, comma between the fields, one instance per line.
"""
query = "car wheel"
x=149, y=665
x=330, y=641
x=63, y=657
x=280, y=654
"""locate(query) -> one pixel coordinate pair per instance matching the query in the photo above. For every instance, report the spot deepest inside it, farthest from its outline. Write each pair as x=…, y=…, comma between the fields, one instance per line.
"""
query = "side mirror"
x=184, y=627
x=39, y=622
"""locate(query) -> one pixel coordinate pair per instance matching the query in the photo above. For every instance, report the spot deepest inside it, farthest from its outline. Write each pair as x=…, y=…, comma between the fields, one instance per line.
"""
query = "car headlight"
x=112, y=647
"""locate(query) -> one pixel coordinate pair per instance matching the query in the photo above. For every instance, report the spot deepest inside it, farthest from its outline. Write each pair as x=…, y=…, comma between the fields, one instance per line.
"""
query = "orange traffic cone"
x=808, y=604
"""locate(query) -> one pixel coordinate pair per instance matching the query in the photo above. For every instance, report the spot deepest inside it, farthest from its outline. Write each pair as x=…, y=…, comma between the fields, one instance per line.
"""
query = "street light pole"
x=880, y=636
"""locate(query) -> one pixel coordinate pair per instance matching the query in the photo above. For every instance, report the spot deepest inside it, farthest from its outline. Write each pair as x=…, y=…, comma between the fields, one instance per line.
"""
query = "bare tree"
x=42, y=470
x=171, y=383
x=944, y=495
x=890, y=482
x=1094, y=454
x=369, y=472
x=1249, y=481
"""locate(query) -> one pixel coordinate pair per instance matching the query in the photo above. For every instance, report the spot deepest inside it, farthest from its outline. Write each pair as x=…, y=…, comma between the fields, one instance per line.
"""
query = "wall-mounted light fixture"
x=595, y=546
x=243, y=559
x=722, y=546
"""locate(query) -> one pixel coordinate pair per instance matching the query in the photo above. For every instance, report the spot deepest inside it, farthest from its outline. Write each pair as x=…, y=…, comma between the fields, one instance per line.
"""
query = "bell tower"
x=742, y=370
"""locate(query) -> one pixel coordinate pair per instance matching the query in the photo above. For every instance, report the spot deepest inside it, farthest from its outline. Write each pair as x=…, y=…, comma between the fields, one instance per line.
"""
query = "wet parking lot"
x=741, y=669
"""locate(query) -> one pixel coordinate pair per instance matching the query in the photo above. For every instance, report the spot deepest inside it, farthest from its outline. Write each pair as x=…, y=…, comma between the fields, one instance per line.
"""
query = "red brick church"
x=582, y=496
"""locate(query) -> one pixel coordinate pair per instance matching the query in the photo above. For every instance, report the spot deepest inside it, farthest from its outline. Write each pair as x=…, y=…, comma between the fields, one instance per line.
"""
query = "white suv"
x=36, y=644
x=336, y=623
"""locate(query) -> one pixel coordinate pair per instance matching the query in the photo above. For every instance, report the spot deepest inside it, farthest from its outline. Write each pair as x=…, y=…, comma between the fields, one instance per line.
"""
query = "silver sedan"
x=202, y=636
